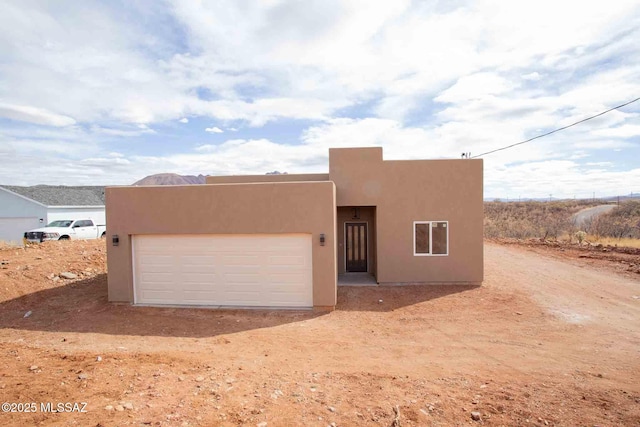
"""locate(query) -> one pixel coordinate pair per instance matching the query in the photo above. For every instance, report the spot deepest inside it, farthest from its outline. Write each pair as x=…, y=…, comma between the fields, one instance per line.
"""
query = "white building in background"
x=26, y=208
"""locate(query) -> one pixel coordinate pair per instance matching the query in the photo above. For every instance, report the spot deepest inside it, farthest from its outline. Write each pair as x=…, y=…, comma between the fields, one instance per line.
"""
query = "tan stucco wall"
x=298, y=177
x=288, y=207
x=355, y=171
x=416, y=190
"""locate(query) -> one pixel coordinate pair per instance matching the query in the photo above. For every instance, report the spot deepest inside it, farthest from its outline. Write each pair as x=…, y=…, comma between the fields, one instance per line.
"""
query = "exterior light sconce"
x=115, y=240
x=41, y=220
x=356, y=213
x=322, y=239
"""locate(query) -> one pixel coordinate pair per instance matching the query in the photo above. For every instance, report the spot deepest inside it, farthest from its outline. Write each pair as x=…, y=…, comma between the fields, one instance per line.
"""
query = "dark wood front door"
x=356, y=246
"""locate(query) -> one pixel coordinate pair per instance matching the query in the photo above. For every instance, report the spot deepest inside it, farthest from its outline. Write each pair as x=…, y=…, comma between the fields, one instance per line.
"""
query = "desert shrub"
x=522, y=220
x=580, y=236
x=550, y=220
x=621, y=221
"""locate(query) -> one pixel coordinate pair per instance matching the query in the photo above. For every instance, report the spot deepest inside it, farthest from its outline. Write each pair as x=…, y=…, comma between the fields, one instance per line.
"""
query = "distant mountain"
x=171, y=179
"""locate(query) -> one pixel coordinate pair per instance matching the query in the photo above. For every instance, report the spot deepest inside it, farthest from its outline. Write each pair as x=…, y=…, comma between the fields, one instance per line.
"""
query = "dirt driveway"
x=544, y=341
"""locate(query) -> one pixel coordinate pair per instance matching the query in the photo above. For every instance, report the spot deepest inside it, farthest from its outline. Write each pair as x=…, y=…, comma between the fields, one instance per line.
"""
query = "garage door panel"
x=286, y=260
x=241, y=260
x=154, y=259
x=282, y=299
x=157, y=295
x=284, y=291
x=285, y=279
x=197, y=260
x=157, y=269
x=198, y=269
x=164, y=286
x=199, y=297
x=157, y=277
x=240, y=284
x=239, y=295
x=277, y=270
x=242, y=279
x=241, y=269
x=234, y=270
x=197, y=279
x=280, y=303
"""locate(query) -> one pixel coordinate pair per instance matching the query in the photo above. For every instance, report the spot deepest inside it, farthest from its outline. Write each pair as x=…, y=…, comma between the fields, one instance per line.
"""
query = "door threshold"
x=357, y=279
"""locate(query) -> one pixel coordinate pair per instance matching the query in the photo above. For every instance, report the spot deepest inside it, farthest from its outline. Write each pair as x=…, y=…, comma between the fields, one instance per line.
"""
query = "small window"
x=430, y=238
x=422, y=236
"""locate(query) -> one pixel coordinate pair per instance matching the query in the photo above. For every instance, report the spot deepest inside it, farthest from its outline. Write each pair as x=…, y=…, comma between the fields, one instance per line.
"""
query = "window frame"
x=430, y=238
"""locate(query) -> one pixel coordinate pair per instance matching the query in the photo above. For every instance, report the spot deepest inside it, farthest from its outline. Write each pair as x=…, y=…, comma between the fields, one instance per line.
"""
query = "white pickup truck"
x=66, y=229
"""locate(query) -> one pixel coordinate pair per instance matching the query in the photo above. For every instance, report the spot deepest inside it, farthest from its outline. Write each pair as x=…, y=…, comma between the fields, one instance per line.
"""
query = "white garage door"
x=254, y=270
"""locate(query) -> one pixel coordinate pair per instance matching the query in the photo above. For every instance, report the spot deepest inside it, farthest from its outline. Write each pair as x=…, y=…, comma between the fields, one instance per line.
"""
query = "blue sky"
x=109, y=92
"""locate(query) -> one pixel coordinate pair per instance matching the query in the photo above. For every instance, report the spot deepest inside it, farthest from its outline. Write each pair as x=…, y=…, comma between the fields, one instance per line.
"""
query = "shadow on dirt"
x=393, y=297
x=82, y=307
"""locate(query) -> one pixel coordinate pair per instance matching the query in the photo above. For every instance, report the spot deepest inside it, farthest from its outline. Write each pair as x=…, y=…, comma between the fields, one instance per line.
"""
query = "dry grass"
x=625, y=242
x=621, y=222
x=9, y=245
x=553, y=221
x=524, y=220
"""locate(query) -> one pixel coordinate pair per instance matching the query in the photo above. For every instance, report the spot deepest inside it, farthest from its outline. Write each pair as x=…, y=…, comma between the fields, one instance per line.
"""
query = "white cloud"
x=398, y=141
x=300, y=61
x=35, y=115
x=205, y=148
x=124, y=132
x=111, y=162
x=579, y=155
x=475, y=87
x=421, y=79
x=262, y=111
x=214, y=129
x=624, y=131
x=236, y=156
x=534, y=76
x=561, y=178
x=510, y=176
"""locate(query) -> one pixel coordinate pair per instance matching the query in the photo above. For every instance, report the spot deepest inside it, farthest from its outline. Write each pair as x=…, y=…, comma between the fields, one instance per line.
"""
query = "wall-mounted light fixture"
x=115, y=240
x=41, y=220
x=322, y=239
x=356, y=213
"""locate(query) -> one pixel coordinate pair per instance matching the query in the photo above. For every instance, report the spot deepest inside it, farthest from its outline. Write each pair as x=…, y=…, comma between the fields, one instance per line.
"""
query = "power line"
x=558, y=130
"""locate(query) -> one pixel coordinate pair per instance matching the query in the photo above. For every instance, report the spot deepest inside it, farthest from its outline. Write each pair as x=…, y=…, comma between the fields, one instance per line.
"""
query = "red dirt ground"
x=548, y=339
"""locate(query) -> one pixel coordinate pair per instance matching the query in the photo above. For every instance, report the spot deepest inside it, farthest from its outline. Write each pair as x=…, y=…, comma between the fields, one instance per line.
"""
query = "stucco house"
x=26, y=208
x=287, y=240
